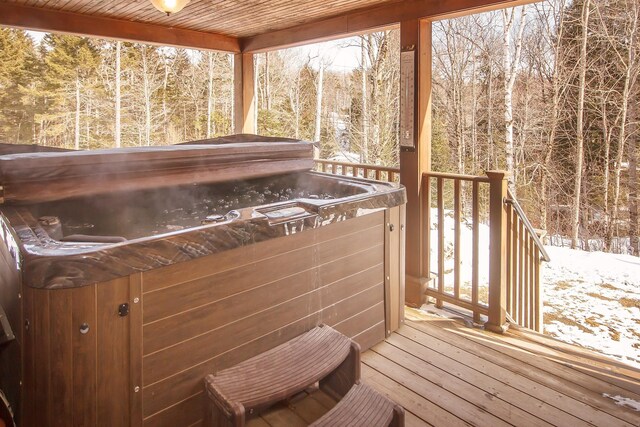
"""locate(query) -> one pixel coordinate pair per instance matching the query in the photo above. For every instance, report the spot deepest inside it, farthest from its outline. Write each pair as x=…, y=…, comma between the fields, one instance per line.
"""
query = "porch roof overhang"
x=230, y=25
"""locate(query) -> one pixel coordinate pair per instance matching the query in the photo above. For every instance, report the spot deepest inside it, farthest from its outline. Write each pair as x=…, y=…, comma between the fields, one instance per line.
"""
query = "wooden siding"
x=217, y=311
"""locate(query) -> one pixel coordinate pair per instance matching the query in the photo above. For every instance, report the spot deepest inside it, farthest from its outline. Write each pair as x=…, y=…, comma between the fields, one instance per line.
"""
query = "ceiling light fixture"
x=169, y=6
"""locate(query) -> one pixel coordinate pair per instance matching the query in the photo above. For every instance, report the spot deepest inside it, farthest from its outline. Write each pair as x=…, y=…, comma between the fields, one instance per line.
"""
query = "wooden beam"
x=244, y=105
x=370, y=19
x=41, y=19
x=416, y=35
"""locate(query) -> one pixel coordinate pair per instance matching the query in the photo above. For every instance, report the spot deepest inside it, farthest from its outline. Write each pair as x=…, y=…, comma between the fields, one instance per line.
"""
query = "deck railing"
x=500, y=280
x=498, y=275
x=379, y=173
x=525, y=254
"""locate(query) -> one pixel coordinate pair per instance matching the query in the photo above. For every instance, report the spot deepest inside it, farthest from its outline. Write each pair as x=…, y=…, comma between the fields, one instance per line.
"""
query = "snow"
x=624, y=401
x=593, y=299
x=466, y=239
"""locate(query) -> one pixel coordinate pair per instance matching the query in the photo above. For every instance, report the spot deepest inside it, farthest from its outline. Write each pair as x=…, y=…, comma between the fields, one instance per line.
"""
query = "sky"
x=339, y=55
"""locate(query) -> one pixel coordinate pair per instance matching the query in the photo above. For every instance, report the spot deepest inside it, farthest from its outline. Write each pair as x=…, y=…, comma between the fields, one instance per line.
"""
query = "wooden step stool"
x=363, y=407
x=321, y=355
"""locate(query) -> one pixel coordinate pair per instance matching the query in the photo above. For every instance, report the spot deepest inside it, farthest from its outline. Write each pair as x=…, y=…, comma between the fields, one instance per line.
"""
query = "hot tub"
x=127, y=277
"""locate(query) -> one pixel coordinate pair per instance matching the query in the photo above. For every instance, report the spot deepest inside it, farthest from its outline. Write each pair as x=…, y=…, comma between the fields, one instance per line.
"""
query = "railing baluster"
x=525, y=279
x=377, y=174
x=426, y=225
x=365, y=173
x=520, y=273
x=532, y=291
x=440, y=240
x=475, y=261
x=538, y=296
x=514, y=268
x=456, y=238
x=510, y=286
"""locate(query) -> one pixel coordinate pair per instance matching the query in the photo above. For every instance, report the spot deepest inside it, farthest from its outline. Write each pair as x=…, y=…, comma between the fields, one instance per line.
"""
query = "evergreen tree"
x=18, y=71
x=70, y=69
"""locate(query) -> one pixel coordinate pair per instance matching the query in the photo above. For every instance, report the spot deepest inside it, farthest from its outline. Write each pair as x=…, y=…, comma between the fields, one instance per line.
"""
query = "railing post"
x=497, y=252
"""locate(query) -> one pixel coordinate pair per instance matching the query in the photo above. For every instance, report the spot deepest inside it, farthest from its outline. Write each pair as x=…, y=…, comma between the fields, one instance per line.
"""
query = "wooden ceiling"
x=228, y=25
x=235, y=18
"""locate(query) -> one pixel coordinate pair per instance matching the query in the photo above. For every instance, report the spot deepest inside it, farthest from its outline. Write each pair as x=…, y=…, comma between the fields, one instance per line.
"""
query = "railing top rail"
x=359, y=165
x=456, y=176
x=512, y=200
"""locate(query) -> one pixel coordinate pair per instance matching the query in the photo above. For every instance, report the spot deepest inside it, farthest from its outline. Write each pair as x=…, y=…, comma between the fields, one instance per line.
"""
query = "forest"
x=548, y=91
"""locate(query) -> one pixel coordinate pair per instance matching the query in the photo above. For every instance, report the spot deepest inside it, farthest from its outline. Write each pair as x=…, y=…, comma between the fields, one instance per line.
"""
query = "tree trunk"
x=298, y=106
x=316, y=135
x=365, y=107
x=491, y=156
x=77, y=133
x=267, y=86
x=165, y=108
x=510, y=73
x=634, y=239
x=210, y=95
x=118, y=99
x=474, y=108
x=622, y=136
x=256, y=65
x=608, y=230
x=147, y=98
x=577, y=189
x=555, y=111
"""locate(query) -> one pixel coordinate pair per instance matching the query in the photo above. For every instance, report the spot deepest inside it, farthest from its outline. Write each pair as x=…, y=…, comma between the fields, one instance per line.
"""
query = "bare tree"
x=209, y=93
x=319, y=83
x=365, y=96
x=624, y=51
x=118, y=106
x=510, y=72
x=582, y=67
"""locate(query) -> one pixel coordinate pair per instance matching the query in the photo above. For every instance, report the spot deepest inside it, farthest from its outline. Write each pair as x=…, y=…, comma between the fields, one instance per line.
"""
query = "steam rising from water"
x=146, y=213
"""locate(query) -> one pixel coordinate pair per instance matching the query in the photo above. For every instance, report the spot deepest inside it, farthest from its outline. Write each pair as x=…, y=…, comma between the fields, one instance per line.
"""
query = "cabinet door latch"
x=123, y=309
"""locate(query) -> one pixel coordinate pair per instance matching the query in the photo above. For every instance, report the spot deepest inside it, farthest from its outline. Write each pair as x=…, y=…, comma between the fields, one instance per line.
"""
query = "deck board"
x=445, y=373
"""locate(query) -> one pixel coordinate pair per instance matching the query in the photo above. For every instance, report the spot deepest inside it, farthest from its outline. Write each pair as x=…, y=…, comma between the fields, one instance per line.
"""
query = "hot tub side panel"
x=77, y=356
x=89, y=362
x=214, y=312
x=11, y=318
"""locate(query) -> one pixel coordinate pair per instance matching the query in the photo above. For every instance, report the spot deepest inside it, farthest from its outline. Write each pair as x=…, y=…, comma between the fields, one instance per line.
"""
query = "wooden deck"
x=445, y=373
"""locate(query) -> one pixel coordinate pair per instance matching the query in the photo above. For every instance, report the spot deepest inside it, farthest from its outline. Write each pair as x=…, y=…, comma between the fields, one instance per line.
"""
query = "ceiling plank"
x=370, y=19
x=40, y=19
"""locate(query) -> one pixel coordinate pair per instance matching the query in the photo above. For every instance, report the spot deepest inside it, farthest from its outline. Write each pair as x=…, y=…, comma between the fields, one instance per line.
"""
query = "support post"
x=244, y=105
x=416, y=35
x=497, y=252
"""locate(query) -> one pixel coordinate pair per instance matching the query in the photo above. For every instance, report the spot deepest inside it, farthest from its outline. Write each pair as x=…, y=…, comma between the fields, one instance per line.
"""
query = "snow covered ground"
x=593, y=299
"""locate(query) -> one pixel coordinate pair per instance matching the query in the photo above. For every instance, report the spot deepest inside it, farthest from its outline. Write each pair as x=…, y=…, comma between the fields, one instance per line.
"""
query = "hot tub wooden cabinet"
x=122, y=333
